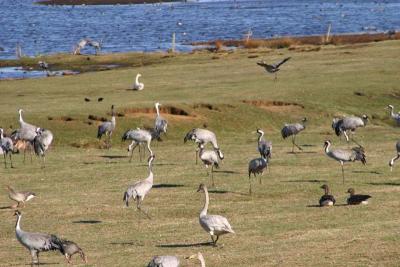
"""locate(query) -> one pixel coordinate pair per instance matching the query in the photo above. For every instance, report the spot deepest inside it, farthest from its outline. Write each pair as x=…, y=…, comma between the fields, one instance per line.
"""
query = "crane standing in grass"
x=350, y=123
x=209, y=158
x=292, y=130
x=160, y=124
x=138, y=137
x=41, y=143
x=107, y=128
x=257, y=166
x=7, y=147
x=19, y=197
x=26, y=133
x=203, y=136
x=391, y=162
x=342, y=156
x=139, y=190
x=264, y=147
x=39, y=242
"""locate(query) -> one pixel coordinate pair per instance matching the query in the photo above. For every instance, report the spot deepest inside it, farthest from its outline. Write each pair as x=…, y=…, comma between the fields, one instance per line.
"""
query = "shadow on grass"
x=221, y=191
x=127, y=243
x=318, y=206
x=167, y=185
x=306, y=181
x=186, y=245
x=301, y=152
x=114, y=157
x=230, y=172
x=43, y=263
x=385, y=183
x=307, y=145
x=372, y=172
x=6, y=208
x=87, y=221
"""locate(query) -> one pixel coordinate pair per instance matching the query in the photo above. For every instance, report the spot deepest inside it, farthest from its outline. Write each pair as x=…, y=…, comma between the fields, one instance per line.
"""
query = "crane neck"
x=261, y=135
x=391, y=112
x=17, y=224
x=1, y=134
x=158, y=110
x=20, y=117
x=207, y=201
x=137, y=79
x=327, y=148
x=201, y=259
x=326, y=190
x=113, y=119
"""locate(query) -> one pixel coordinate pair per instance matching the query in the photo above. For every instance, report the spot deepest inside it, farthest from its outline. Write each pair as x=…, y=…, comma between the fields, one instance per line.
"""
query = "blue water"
x=48, y=29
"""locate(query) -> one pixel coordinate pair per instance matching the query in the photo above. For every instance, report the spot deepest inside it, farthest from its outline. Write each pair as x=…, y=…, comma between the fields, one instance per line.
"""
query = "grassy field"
x=80, y=191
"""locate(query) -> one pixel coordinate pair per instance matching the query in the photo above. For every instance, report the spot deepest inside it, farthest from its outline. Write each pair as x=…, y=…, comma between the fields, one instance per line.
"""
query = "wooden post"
x=328, y=33
x=173, y=42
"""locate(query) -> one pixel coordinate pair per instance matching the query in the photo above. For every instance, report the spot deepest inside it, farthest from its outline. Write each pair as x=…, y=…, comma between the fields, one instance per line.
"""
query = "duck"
x=326, y=199
x=357, y=199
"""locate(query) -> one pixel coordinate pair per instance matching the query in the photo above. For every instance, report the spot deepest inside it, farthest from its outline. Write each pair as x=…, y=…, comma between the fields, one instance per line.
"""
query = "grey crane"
x=203, y=136
x=200, y=257
x=257, y=166
x=391, y=162
x=44, y=66
x=41, y=143
x=350, y=123
x=7, y=147
x=272, y=68
x=209, y=158
x=107, y=127
x=164, y=261
x=394, y=116
x=138, y=85
x=342, y=156
x=96, y=45
x=215, y=225
x=26, y=132
x=160, y=124
x=326, y=199
x=19, y=197
x=139, y=190
x=264, y=147
x=36, y=242
x=81, y=45
x=356, y=199
x=292, y=130
x=138, y=137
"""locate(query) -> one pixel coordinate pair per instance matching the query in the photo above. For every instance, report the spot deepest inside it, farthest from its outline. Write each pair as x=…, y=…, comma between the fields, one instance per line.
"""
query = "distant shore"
x=101, y=2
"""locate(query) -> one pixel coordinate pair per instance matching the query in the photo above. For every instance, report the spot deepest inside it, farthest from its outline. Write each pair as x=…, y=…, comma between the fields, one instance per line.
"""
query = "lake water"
x=49, y=29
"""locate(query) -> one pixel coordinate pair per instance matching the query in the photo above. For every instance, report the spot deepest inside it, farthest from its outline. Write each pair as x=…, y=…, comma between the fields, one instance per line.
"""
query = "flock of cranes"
x=40, y=140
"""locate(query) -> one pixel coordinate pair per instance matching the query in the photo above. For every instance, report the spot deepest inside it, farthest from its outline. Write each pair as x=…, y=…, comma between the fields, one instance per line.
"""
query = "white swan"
x=138, y=85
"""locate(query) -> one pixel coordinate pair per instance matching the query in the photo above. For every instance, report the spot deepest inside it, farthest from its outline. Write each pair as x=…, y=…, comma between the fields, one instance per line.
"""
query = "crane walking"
x=292, y=130
x=203, y=136
x=107, y=128
x=342, y=156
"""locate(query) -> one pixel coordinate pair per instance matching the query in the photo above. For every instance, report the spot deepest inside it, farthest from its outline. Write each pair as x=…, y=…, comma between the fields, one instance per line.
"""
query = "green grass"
x=275, y=226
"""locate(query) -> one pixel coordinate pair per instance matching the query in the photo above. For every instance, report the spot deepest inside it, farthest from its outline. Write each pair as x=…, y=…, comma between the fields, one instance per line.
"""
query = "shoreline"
x=317, y=40
x=102, y=2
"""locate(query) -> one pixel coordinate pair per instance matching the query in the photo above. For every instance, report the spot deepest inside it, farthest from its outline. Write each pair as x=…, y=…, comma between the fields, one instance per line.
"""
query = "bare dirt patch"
x=169, y=112
x=275, y=106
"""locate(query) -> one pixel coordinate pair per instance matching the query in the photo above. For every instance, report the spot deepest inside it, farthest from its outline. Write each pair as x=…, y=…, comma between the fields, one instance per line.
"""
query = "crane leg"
x=196, y=156
x=341, y=163
x=140, y=155
x=276, y=77
x=5, y=161
x=250, y=191
x=215, y=243
x=294, y=143
x=133, y=149
x=212, y=175
x=259, y=177
x=11, y=160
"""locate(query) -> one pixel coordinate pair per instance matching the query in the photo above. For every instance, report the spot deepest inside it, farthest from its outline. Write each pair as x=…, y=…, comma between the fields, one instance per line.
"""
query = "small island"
x=103, y=2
